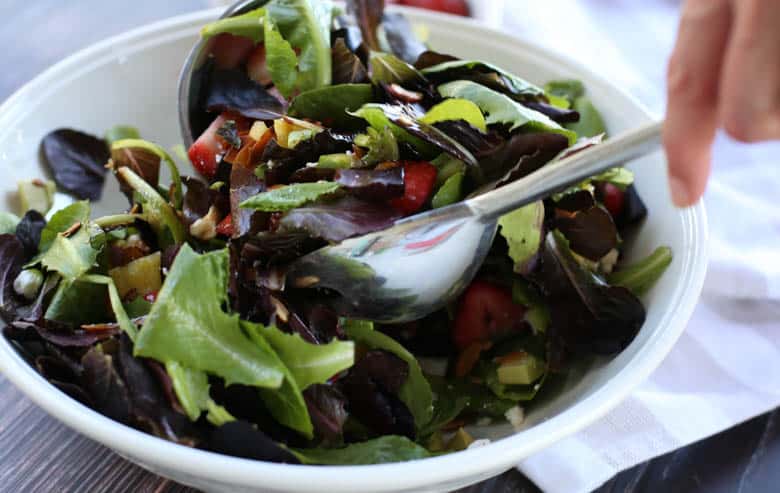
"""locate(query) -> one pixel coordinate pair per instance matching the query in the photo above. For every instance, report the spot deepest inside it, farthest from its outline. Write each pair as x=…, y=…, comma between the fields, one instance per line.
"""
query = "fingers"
x=750, y=86
x=693, y=89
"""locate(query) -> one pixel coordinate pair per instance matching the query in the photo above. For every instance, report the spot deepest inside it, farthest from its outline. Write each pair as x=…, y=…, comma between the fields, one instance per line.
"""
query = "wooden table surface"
x=37, y=453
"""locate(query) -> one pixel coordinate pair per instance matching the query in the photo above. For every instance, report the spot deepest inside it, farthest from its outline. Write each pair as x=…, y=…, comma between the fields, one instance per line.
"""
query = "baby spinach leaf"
x=290, y=196
x=305, y=25
x=189, y=308
x=380, y=450
x=416, y=391
x=249, y=25
x=502, y=109
x=452, y=70
x=331, y=104
x=456, y=109
x=642, y=275
x=522, y=230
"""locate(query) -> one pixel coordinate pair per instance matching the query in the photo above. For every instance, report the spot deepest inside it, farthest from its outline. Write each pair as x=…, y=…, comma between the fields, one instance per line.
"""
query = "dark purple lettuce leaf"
x=77, y=162
x=28, y=231
x=374, y=185
x=430, y=58
x=590, y=316
x=105, y=387
x=368, y=14
x=73, y=391
x=233, y=90
x=347, y=66
x=244, y=184
x=406, y=117
x=559, y=115
x=634, y=209
x=144, y=163
x=311, y=174
x=283, y=162
x=315, y=321
x=12, y=258
x=199, y=198
x=587, y=225
x=61, y=335
x=371, y=387
x=401, y=38
x=242, y=439
x=346, y=29
x=326, y=407
x=339, y=220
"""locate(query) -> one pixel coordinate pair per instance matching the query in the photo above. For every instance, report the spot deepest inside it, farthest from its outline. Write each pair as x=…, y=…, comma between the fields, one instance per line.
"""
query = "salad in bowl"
x=315, y=125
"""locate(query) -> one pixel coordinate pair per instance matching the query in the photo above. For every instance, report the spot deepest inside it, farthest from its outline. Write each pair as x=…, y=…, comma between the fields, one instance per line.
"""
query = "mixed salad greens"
x=318, y=125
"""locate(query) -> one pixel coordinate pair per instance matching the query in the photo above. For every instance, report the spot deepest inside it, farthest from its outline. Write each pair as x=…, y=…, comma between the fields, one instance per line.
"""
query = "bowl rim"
x=161, y=455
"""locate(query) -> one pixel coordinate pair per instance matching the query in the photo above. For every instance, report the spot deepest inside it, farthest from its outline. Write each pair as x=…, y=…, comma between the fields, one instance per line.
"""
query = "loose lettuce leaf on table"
x=499, y=108
x=377, y=451
x=77, y=162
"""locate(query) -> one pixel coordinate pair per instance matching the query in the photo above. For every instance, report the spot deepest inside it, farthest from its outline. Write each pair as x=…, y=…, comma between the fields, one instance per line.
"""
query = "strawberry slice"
x=614, y=198
x=419, y=180
x=225, y=227
x=206, y=151
x=486, y=313
x=230, y=51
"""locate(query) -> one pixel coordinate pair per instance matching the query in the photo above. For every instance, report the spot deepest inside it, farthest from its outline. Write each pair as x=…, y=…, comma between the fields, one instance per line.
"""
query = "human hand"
x=724, y=73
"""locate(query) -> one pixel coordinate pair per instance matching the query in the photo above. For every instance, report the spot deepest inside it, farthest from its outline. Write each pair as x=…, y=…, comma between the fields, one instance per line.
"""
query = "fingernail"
x=680, y=195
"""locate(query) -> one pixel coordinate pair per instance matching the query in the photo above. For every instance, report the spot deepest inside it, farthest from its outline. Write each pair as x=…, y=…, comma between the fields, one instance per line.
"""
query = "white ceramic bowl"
x=131, y=79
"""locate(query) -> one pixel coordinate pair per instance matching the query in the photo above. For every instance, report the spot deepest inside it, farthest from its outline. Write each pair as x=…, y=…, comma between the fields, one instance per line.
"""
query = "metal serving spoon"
x=425, y=261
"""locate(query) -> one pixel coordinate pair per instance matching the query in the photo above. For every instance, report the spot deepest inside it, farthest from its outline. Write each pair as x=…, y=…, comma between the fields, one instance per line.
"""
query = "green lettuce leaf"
x=375, y=116
x=514, y=83
x=309, y=363
x=330, y=104
x=450, y=192
x=502, y=109
x=79, y=303
x=416, y=391
x=74, y=255
x=522, y=230
x=642, y=275
x=305, y=25
x=8, y=223
x=249, y=25
x=620, y=177
x=121, y=132
x=191, y=387
x=456, y=109
x=187, y=325
x=290, y=196
x=380, y=450
x=517, y=393
x=591, y=122
x=568, y=89
x=381, y=145
x=127, y=325
x=157, y=211
x=385, y=68
x=281, y=60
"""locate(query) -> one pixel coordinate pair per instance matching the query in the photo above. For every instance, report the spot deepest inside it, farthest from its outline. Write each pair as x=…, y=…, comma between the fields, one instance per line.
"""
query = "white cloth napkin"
x=725, y=368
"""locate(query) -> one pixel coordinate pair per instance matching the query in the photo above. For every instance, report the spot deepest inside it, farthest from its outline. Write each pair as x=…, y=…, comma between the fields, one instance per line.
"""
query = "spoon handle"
x=559, y=176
